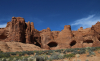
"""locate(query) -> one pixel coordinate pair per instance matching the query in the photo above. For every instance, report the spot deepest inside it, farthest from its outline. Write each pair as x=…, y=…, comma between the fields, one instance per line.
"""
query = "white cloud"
x=86, y=22
x=2, y=25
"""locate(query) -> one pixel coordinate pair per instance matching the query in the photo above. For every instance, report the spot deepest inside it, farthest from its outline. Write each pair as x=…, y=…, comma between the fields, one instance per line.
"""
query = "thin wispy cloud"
x=2, y=25
x=86, y=22
x=3, y=22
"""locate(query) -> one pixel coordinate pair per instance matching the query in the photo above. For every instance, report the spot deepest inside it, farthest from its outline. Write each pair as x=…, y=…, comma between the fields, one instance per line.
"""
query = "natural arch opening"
x=3, y=37
x=72, y=43
x=52, y=44
x=88, y=41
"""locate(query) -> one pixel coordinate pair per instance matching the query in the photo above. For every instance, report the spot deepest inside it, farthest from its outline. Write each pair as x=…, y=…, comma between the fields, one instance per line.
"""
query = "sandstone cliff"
x=20, y=31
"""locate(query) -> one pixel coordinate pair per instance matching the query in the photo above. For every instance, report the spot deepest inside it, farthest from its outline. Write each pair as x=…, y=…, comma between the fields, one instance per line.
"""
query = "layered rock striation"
x=20, y=31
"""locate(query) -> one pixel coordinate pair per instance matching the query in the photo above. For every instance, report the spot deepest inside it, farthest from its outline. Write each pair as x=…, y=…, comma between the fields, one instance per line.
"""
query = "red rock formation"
x=20, y=31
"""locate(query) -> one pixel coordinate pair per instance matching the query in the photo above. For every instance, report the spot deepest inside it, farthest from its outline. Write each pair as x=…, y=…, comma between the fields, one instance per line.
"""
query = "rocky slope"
x=17, y=46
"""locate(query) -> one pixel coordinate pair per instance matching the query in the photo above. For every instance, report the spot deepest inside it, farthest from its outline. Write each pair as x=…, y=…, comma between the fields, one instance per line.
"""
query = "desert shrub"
x=61, y=56
x=91, y=53
x=20, y=54
x=17, y=52
x=69, y=55
x=78, y=60
x=86, y=60
x=75, y=52
x=19, y=60
x=24, y=59
x=76, y=48
x=8, y=59
x=97, y=48
x=38, y=52
x=60, y=51
x=70, y=50
x=13, y=53
x=8, y=53
x=50, y=59
x=50, y=51
x=45, y=51
x=81, y=52
x=3, y=59
x=93, y=49
x=15, y=59
x=54, y=56
x=1, y=51
x=64, y=51
x=27, y=52
x=4, y=55
x=31, y=52
x=30, y=58
x=44, y=56
x=78, y=51
x=82, y=49
x=24, y=52
x=90, y=50
x=39, y=58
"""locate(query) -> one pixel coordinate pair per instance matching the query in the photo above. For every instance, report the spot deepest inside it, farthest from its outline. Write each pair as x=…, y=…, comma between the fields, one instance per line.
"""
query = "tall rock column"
x=28, y=32
x=17, y=29
x=65, y=37
x=32, y=32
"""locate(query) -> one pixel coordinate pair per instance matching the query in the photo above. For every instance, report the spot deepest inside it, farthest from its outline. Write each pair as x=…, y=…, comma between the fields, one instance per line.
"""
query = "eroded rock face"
x=20, y=31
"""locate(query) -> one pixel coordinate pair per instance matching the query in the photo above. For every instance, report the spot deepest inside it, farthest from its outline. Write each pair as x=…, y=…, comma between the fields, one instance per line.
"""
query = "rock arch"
x=52, y=44
x=73, y=43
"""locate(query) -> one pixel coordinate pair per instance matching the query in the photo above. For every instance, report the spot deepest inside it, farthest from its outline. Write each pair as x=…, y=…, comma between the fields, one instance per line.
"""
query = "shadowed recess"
x=73, y=43
x=36, y=41
x=3, y=36
x=99, y=38
x=52, y=44
x=88, y=41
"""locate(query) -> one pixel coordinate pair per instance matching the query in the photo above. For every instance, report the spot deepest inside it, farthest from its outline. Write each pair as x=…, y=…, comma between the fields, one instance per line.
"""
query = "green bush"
x=61, y=56
x=39, y=58
x=69, y=55
x=13, y=53
x=54, y=56
x=1, y=51
x=4, y=55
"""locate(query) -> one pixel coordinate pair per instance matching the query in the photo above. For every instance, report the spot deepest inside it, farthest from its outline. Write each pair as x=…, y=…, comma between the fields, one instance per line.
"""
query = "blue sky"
x=52, y=13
